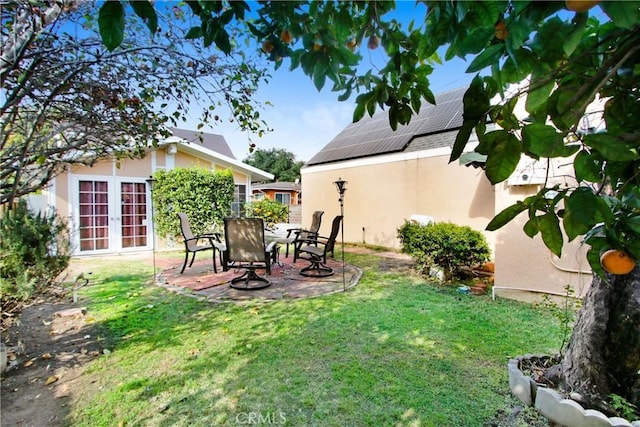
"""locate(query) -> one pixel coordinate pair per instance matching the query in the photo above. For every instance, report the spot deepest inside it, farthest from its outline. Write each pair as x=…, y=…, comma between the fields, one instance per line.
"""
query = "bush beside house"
x=446, y=245
x=34, y=251
x=203, y=195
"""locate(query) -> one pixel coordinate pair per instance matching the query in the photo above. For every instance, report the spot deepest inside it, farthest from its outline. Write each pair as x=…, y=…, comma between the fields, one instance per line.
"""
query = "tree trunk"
x=603, y=356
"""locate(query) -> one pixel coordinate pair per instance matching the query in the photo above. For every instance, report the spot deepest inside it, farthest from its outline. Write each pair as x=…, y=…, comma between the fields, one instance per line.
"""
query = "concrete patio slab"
x=285, y=278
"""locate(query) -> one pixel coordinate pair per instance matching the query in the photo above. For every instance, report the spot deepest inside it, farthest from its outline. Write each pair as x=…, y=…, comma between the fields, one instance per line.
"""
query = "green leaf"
x=551, y=234
x=624, y=14
x=472, y=43
x=488, y=57
x=429, y=96
x=475, y=101
x=580, y=212
x=488, y=140
x=575, y=36
x=222, y=41
x=611, y=147
x=633, y=222
x=503, y=159
x=544, y=141
x=320, y=72
x=358, y=112
x=538, y=97
x=461, y=139
x=506, y=215
x=586, y=167
x=145, y=10
x=194, y=33
x=111, y=23
x=531, y=227
x=345, y=95
x=598, y=244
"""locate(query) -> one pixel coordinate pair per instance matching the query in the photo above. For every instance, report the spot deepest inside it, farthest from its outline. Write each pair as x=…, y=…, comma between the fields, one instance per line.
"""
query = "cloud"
x=329, y=116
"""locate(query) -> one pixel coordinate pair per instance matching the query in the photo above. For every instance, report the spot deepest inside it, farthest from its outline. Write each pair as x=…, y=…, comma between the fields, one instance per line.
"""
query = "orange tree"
x=562, y=55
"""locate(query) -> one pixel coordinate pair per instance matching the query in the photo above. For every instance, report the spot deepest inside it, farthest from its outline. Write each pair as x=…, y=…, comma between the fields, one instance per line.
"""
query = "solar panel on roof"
x=374, y=136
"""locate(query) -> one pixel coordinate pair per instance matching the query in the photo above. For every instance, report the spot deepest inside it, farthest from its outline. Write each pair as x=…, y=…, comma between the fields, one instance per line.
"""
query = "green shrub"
x=203, y=195
x=271, y=211
x=34, y=250
x=446, y=245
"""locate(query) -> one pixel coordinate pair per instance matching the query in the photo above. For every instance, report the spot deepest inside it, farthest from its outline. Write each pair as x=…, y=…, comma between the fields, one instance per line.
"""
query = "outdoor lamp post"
x=341, y=187
x=150, y=183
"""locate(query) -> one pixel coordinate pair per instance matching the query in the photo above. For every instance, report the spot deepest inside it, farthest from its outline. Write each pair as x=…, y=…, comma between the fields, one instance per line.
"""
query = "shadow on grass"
x=394, y=350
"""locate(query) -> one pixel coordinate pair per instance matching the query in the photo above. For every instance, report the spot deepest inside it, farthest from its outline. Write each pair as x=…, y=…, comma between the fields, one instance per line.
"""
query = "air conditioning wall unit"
x=529, y=172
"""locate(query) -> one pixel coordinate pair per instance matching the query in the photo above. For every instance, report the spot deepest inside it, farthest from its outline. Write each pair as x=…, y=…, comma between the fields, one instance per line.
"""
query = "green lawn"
x=395, y=350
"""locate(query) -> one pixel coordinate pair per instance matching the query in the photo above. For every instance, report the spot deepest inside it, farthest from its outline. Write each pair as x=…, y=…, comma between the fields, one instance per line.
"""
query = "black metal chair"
x=294, y=234
x=246, y=249
x=191, y=245
x=315, y=251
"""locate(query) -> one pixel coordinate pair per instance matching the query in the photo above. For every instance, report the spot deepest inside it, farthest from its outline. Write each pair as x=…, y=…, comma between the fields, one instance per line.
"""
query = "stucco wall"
x=522, y=262
x=384, y=191
x=61, y=193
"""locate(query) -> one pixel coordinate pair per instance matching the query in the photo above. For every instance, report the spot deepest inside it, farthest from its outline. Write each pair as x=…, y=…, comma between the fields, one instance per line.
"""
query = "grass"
x=393, y=351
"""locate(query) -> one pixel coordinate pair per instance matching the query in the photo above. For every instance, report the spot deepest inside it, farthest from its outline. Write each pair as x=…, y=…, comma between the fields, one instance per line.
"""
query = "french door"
x=112, y=215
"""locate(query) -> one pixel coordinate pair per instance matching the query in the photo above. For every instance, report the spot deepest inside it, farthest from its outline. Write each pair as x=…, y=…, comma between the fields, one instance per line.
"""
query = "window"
x=258, y=196
x=284, y=198
x=239, y=199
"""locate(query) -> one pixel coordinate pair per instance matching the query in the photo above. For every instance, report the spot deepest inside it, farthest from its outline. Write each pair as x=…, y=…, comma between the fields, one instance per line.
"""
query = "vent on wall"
x=529, y=172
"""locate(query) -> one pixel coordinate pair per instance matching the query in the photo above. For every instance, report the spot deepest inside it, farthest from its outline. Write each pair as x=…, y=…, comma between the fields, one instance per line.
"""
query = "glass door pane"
x=133, y=198
x=94, y=215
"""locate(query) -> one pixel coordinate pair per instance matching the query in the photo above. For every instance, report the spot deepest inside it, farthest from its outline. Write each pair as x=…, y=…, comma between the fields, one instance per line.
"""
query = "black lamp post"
x=150, y=183
x=341, y=187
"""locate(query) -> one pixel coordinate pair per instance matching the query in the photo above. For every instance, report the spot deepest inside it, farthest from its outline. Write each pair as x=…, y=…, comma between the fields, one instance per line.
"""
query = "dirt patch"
x=46, y=347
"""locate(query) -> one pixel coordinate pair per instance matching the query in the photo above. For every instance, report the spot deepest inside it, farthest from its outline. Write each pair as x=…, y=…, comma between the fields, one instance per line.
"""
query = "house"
x=108, y=205
x=287, y=193
x=394, y=175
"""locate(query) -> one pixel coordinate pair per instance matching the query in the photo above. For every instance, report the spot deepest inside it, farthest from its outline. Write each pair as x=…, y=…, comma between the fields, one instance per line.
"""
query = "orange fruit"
x=351, y=44
x=267, y=46
x=501, y=31
x=615, y=261
x=286, y=36
x=373, y=42
x=317, y=46
x=580, y=5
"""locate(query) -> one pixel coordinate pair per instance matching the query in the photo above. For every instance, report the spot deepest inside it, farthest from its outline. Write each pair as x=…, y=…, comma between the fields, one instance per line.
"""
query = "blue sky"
x=305, y=120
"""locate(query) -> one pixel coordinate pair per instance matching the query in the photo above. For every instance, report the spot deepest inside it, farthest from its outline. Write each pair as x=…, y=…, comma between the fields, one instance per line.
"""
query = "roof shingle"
x=211, y=141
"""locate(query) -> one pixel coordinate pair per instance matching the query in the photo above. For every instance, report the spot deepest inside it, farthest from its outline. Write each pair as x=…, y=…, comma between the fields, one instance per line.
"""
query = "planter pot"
x=477, y=290
x=553, y=406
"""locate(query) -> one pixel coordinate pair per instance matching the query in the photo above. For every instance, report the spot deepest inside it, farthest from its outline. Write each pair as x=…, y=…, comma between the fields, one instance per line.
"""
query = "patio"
x=285, y=278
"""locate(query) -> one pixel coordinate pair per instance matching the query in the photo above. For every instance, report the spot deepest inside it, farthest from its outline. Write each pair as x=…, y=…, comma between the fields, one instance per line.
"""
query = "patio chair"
x=191, y=245
x=315, y=251
x=300, y=233
x=246, y=249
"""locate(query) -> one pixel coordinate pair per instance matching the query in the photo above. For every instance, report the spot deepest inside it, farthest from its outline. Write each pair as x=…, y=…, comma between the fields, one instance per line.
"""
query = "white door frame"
x=114, y=189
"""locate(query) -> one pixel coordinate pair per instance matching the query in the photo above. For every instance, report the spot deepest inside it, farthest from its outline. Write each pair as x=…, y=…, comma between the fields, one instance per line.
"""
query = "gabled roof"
x=372, y=136
x=202, y=150
x=280, y=185
x=210, y=141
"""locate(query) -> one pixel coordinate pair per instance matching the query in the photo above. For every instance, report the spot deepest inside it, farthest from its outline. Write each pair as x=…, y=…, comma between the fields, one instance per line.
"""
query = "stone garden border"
x=552, y=405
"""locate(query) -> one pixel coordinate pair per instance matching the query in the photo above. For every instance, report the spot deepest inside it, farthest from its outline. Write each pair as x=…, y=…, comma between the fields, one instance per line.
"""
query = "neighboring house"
x=287, y=193
x=394, y=175
x=108, y=205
